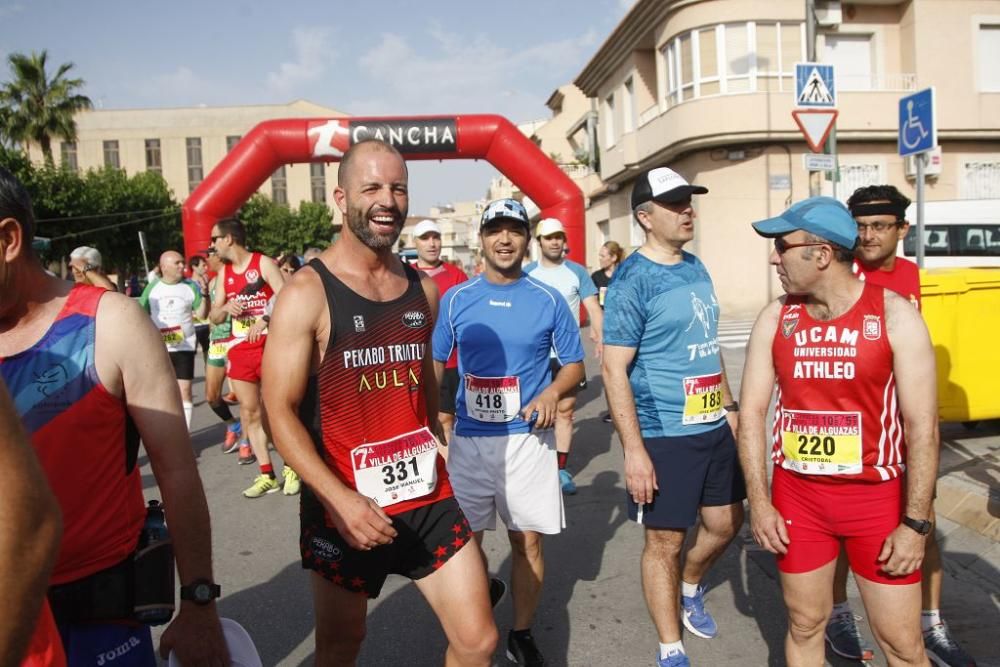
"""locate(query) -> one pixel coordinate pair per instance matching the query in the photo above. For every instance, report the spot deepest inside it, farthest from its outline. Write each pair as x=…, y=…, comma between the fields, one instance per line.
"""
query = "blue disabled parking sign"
x=917, y=125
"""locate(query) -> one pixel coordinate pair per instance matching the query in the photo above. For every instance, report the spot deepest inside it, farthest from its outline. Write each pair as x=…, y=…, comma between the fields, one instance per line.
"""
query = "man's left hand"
x=902, y=552
x=196, y=638
x=733, y=419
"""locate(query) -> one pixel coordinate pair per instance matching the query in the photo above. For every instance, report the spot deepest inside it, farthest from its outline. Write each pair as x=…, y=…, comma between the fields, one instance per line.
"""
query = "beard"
x=357, y=221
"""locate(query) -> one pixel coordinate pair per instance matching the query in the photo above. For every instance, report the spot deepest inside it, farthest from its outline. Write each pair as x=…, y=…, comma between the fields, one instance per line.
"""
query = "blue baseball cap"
x=506, y=209
x=825, y=217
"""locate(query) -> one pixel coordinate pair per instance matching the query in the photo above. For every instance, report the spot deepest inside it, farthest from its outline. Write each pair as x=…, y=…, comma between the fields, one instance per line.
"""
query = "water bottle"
x=154, y=569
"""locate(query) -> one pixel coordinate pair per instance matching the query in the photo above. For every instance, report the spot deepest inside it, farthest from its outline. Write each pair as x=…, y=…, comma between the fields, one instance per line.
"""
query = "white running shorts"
x=515, y=476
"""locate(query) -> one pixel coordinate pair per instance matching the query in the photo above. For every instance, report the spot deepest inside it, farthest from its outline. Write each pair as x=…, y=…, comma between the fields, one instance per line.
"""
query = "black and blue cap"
x=505, y=209
x=825, y=217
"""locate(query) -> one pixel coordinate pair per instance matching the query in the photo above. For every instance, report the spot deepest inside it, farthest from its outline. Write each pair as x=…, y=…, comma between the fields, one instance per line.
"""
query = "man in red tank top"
x=90, y=377
x=352, y=402
x=427, y=239
x=854, y=370
x=243, y=292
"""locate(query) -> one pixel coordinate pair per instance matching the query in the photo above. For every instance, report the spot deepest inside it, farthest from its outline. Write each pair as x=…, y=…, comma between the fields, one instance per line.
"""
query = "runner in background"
x=220, y=338
x=609, y=257
x=427, y=239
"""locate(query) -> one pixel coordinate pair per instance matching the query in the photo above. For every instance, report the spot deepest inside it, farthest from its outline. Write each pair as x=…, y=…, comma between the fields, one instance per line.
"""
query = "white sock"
x=929, y=618
x=188, y=409
x=840, y=608
x=688, y=590
x=671, y=648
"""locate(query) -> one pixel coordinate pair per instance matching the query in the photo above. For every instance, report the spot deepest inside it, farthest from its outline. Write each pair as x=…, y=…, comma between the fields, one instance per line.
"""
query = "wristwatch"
x=922, y=526
x=201, y=591
x=732, y=407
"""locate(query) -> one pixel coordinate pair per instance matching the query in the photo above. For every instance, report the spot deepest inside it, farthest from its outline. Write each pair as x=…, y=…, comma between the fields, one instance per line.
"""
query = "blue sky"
x=364, y=58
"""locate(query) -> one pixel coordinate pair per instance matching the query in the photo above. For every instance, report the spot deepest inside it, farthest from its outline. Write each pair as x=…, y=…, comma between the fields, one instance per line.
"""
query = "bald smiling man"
x=173, y=302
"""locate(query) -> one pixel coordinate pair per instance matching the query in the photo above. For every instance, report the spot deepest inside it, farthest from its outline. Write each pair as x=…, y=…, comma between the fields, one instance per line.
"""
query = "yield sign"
x=815, y=125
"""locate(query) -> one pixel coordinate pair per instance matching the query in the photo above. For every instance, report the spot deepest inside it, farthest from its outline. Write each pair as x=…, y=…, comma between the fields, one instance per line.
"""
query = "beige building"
x=567, y=138
x=707, y=88
x=185, y=144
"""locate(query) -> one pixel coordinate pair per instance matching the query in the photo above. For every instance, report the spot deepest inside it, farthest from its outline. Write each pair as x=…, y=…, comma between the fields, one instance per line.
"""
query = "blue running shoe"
x=696, y=618
x=566, y=482
x=674, y=659
x=943, y=650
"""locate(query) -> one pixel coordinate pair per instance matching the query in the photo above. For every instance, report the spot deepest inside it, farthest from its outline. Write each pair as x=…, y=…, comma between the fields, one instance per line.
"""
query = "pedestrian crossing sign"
x=815, y=86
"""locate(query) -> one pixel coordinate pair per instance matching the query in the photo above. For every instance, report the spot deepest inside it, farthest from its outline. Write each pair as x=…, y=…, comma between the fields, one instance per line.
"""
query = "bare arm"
x=545, y=403
x=596, y=315
x=916, y=387
x=432, y=383
x=30, y=527
x=218, y=312
x=755, y=396
x=132, y=362
x=640, y=477
x=292, y=338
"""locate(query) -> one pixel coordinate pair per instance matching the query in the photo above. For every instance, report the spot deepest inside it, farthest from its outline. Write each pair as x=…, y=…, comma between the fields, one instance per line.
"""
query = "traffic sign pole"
x=920, y=209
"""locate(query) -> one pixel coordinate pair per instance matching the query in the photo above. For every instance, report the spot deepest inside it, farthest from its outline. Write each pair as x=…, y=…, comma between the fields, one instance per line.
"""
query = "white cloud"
x=313, y=54
x=10, y=10
x=182, y=87
x=453, y=73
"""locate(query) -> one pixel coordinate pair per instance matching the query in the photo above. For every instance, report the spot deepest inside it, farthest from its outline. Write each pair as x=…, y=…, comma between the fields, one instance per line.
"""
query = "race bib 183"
x=702, y=399
x=821, y=443
x=398, y=469
x=492, y=399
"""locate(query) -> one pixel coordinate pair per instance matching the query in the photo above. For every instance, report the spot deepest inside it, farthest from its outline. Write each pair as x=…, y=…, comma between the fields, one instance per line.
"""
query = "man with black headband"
x=880, y=212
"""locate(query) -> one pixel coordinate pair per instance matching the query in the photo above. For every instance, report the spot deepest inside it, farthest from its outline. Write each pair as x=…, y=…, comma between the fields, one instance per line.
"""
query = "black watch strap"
x=732, y=407
x=922, y=526
x=201, y=591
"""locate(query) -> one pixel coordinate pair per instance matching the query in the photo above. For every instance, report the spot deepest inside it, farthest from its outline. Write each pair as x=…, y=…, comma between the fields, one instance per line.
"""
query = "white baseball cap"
x=426, y=227
x=242, y=651
x=549, y=226
x=663, y=185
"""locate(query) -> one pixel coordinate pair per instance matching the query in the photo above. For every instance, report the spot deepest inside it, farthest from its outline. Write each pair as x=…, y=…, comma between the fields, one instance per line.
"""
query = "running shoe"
x=521, y=649
x=498, y=591
x=246, y=454
x=566, y=482
x=943, y=650
x=696, y=618
x=292, y=482
x=262, y=485
x=673, y=659
x=231, y=399
x=845, y=639
x=232, y=442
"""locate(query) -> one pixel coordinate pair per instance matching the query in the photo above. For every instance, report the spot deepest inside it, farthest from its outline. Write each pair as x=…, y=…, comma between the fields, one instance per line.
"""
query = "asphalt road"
x=592, y=610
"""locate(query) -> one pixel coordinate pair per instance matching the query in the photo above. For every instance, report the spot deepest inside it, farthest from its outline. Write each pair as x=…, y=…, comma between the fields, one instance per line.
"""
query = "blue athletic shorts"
x=692, y=471
x=107, y=644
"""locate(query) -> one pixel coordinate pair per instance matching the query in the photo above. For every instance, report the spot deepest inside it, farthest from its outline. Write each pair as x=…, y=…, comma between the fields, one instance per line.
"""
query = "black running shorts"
x=428, y=537
x=183, y=365
x=692, y=471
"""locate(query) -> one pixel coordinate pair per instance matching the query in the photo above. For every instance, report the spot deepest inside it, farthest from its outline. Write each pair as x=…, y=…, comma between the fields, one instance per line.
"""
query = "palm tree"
x=36, y=108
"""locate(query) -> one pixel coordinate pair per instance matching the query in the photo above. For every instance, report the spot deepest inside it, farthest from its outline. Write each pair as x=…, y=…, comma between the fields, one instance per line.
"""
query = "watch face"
x=202, y=593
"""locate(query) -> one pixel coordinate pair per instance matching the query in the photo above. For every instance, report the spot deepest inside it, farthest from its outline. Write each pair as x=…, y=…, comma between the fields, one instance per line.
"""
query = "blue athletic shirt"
x=669, y=314
x=504, y=331
x=569, y=278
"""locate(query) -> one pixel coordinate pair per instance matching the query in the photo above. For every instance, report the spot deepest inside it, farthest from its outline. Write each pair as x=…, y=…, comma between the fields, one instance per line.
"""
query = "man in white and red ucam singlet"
x=854, y=370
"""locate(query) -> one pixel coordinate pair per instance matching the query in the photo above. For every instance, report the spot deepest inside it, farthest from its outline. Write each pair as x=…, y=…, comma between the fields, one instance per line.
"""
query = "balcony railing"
x=649, y=114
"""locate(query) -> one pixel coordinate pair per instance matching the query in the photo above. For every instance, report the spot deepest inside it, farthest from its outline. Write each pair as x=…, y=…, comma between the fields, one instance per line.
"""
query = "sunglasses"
x=220, y=236
x=781, y=246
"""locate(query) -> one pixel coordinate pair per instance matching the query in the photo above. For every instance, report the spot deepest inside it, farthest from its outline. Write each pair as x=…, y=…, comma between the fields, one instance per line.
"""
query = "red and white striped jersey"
x=837, y=415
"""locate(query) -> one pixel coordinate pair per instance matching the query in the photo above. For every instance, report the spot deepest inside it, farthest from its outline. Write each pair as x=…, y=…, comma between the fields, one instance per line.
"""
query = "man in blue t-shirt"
x=671, y=404
x=576, y=286
x=502, y=457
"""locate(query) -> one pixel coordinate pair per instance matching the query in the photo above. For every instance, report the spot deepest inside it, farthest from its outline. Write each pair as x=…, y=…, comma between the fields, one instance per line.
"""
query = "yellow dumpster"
x=962, y=311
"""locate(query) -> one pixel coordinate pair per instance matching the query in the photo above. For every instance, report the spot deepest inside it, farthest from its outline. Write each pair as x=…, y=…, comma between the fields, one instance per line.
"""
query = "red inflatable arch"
x=274, y=143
